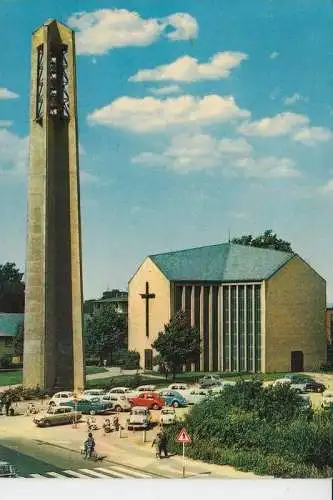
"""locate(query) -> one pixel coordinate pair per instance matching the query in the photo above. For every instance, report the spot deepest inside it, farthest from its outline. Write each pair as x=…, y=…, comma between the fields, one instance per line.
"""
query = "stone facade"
x=53, y=347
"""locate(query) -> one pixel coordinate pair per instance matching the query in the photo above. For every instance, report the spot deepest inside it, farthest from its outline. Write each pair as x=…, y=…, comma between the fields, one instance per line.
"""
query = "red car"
x=151, y=400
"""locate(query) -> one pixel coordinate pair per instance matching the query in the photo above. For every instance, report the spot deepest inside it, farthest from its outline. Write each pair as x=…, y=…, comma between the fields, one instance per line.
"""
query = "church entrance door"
x=297, y=361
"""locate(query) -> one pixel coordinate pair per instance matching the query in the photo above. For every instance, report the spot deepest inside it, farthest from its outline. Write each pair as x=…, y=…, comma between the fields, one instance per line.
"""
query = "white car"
x=121, y=390
x=298, y=387
x=145, y=388
x=93, y=393
x=119, y=401
x=168, y=415
x=61, y=397
x=139, y=418
x=181, y=388
x=327, y=399
x=195, y=395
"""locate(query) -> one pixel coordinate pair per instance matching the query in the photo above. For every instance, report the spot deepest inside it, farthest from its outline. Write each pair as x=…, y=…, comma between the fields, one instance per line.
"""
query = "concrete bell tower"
x=53, y=340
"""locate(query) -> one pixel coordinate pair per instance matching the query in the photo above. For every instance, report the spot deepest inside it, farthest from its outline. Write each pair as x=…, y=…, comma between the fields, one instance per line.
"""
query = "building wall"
x=295, y=317
x=329, y=325
x=159, y=307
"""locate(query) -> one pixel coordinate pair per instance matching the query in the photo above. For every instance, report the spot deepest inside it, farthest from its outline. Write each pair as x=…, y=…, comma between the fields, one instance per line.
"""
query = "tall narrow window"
x=257, y=327
x=226, y=327
x=40, y=84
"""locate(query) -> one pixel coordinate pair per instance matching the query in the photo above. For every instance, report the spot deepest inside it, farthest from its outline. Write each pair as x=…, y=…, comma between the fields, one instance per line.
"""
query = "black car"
x=313, y=386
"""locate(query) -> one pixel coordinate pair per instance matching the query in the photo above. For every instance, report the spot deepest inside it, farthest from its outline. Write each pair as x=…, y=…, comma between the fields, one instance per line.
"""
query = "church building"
x=257, y=310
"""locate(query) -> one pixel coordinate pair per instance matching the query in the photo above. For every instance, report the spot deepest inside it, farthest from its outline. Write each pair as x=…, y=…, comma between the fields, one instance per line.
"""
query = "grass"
x=91, y=370
x=10, y=378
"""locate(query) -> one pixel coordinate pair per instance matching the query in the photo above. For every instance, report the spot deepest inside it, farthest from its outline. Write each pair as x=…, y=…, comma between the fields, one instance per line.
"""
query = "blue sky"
x=195, y=118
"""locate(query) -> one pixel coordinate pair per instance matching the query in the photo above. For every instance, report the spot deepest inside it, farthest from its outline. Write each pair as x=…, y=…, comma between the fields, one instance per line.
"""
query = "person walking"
x=7, y=405
x=157, y=443
x=164, y=444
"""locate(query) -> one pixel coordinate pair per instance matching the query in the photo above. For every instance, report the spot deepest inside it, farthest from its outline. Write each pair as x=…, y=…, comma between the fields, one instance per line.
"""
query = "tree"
x=105, y=333
x=19, y=340
x=11, y=289
x=179, y=343
x=266, y=240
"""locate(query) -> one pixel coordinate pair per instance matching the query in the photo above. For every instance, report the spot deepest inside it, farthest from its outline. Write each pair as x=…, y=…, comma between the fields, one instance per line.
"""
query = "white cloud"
x=197, y=152
x=185, y=26
x=88, y=177
x=7, y=94
x=13, y=154
x=194, y=152
x=327, y=188
x=266, y=167
x=293, y=99
x=106, y=29
x=168, y=89
x=281, y=124
x=188, y=69
x=274, y=55
x=311, y=135
x=5, y=123
x=150, y=114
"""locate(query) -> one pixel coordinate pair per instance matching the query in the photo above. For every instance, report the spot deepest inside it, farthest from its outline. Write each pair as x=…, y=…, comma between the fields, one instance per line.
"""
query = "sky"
x=197, y=118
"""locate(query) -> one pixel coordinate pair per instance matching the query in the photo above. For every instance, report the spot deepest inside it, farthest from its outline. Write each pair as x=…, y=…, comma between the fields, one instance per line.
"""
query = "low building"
x=257, y=310
x=117, y=298
x=9, y=323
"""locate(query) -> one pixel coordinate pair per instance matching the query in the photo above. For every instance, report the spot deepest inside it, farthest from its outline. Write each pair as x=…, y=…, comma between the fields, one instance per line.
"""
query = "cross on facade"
x=147, y=296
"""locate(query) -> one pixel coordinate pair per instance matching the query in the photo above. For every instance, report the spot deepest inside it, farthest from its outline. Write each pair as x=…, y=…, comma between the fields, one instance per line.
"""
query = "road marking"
x=132, y=472
x=76, y=474
x=93, y=473
x=112, y=472
x=55, y=474
x=37, y=476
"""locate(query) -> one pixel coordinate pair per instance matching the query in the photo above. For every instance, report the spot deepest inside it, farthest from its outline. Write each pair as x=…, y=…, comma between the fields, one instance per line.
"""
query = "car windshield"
x=168, y=412
x=139, y=412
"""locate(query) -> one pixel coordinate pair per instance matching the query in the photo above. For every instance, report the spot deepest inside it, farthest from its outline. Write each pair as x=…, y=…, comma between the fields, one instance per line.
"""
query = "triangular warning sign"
x=183, y=437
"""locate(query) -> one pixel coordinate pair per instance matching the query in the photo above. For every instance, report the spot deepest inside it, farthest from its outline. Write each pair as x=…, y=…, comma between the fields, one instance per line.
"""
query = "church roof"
x=223, y=262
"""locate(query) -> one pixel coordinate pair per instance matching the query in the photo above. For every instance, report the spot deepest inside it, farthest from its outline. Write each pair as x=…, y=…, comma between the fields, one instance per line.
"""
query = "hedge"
x=264, y=430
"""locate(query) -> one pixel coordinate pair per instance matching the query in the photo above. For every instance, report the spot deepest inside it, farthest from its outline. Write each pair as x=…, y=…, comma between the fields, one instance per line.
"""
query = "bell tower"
x=53, y=338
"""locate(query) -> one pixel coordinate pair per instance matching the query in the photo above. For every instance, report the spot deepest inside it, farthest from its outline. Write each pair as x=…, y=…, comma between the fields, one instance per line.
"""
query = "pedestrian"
x=157, y=443
x=164, y=444
x=7, y=405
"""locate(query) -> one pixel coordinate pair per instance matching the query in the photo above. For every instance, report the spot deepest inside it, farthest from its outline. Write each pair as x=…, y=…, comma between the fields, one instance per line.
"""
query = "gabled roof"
x=222, y=262
x=9, y=323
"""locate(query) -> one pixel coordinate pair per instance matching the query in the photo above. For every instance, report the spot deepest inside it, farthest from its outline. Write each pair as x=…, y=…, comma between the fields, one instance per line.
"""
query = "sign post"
x=184, y=438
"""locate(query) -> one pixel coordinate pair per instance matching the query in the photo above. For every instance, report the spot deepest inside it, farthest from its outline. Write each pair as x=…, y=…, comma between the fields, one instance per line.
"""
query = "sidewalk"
x=128, y=450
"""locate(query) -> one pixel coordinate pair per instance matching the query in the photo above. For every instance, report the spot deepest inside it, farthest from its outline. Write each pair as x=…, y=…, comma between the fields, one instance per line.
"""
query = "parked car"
x=151, y=400
x=119, y=401
x=61, y=397
x=90, y=406
x=57, y=415
x=145, y=388
x=296, y=384
x=195, y=395
x=314, y=386
x=168, y=416
x=209, y=381
x=178, y=387
x=7, y=470
x=139, y=418
x=121, y=390
x=93, y=393
x=327, y=399
x=173, y=398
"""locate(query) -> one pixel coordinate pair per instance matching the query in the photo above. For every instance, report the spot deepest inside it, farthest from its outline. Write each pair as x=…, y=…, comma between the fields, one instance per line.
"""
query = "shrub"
x=6, y=362
x=128, y=360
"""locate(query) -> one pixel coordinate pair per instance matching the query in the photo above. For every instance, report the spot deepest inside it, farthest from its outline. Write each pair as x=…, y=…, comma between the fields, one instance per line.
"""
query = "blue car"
x=173, y=398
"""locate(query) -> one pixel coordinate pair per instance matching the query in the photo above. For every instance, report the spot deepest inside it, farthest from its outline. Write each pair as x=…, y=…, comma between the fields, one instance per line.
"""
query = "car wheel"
x=92, y=412
x=47, y=423
x=155, y=407
x=175, y=404
x=52, y=403
x=118, y=408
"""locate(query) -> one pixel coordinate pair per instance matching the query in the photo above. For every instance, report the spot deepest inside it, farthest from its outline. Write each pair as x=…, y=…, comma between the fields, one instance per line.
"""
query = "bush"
x=20, y=394
x=6, y=362
x=260, y=429
x=128, y=360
